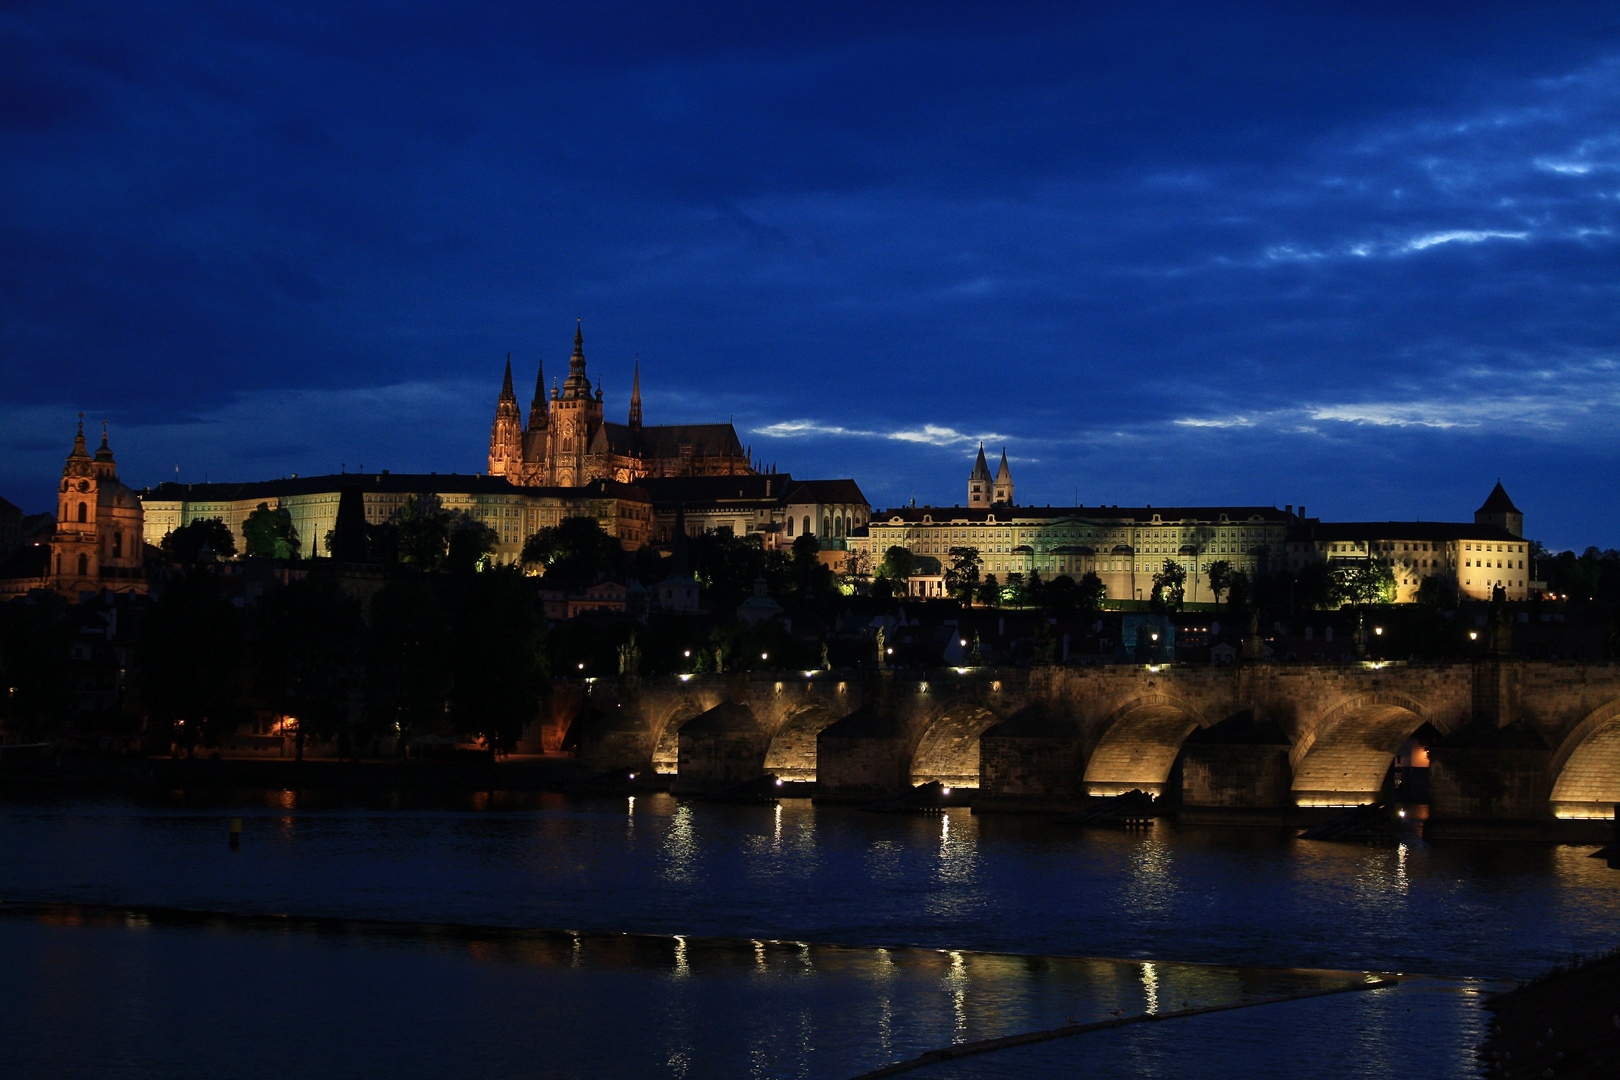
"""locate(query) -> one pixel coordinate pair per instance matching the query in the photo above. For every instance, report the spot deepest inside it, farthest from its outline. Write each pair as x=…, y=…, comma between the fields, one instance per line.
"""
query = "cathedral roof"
x=1497, y=502
x=666, y=440
x=1003, y=473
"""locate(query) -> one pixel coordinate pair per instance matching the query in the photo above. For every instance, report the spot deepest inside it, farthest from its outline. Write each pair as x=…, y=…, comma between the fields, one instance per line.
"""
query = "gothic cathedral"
x=567, y=443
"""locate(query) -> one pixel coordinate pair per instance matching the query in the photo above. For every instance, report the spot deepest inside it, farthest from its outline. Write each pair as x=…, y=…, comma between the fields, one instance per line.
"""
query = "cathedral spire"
x=1004, y=483
x=577, y=385
x=507, y=393
x=979, y=482
x=635, y=395
x=537, y=406
x=104, y=452
x=78, y=440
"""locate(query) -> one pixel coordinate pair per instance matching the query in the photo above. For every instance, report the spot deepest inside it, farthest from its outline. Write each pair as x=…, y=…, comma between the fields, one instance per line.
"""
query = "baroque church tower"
x=98, y=525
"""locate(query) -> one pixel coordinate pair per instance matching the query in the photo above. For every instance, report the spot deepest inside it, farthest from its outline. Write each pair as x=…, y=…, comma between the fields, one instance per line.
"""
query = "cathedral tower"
x=576, y=416
x=506, y=435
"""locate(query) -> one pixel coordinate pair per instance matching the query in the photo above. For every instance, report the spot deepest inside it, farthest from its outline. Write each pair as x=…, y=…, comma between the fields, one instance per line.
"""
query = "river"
x=514, y=934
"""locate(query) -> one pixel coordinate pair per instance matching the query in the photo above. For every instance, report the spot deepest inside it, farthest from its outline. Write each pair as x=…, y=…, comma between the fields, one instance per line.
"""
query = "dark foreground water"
x=543, y=936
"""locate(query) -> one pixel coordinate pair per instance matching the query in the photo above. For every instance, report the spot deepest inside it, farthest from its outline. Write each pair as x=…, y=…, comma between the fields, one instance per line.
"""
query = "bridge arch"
x=948, y=748
x=666, y=740
x=792, y=751
x=1139, y=744
x=1586, y=766
x=1343, y=759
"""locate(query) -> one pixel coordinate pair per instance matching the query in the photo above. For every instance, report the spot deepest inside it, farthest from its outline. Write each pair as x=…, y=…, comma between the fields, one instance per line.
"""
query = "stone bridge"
x=1505, y=738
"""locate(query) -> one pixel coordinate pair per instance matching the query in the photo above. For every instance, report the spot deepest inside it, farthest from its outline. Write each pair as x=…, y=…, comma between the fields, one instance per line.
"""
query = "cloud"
x=935, y=435
x=1465, y=236
x=798, y=429
x=928, y=434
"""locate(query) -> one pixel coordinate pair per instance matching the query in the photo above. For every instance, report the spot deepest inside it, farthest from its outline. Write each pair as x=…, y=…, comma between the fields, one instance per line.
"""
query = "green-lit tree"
x=1169, y=586
x=270, y=534
x=898, y=563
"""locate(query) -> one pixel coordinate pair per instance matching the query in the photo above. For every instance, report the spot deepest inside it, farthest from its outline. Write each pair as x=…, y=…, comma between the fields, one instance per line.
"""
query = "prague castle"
x=567, y=443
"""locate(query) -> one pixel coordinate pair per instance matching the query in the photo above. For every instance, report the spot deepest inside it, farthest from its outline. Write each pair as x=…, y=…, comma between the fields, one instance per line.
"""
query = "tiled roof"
x=383, y=482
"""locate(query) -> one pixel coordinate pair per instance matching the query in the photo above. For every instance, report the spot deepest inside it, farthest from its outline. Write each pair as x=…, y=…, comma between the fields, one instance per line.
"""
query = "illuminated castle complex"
x=567, y=443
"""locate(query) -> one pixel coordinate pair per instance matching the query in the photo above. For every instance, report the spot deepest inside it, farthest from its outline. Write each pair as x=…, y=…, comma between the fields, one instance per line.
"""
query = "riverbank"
x=1565, y=1024
x=528, y=772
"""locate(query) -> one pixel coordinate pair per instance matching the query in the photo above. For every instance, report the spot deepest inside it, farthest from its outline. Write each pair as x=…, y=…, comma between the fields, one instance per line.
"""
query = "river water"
x=555, y=936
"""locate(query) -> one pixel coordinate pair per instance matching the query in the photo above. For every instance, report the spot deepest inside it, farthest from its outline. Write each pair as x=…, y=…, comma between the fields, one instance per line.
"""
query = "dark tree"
x=183, y=545
x=990, y=591
x=1219, y=574
x=307, y=648
x=424, y=534
x=575, y=549
x=36, y=634
x=192, y=662
x=962, y=575
x=495, y=655
x=407, y=667
x=470, y=545
x=1092, y=592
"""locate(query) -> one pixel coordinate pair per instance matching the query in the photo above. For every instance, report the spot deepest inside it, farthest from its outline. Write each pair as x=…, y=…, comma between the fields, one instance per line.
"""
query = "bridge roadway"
x=1513, y=739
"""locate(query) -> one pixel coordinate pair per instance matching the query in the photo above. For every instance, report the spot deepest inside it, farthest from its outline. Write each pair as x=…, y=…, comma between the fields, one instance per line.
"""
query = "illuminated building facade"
x=1126, y=546
x=515, y=513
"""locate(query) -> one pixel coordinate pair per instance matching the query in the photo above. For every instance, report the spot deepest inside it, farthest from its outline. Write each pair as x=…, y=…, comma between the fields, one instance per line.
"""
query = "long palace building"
x=1126, y=546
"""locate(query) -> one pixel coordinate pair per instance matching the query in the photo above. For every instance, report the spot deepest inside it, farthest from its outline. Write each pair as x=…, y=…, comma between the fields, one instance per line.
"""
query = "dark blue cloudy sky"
x=1365, y=258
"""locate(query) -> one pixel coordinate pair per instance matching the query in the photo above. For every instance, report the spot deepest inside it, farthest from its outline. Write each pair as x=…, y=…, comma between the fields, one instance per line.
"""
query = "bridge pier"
x=1031, y=762
x=863, y=756
x=1235, y=781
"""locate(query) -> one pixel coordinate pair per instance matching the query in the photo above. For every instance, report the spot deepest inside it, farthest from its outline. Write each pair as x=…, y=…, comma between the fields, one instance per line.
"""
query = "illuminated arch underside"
x=1138, y=750
x=1346, y=766
x=949, y=750
x=1588, y=786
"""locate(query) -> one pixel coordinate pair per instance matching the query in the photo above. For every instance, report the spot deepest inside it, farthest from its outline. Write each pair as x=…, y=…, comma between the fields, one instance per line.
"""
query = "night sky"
x=1363, y=259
